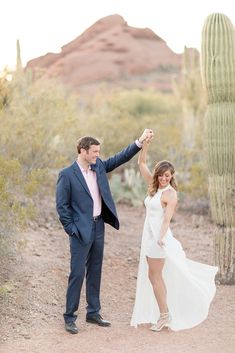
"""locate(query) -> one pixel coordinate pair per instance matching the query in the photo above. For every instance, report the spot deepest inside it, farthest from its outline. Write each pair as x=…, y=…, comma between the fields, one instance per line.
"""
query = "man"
x=84, y=202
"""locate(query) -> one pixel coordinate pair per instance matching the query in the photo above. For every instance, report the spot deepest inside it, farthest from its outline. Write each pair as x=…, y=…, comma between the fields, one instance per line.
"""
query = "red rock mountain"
x=113, y=52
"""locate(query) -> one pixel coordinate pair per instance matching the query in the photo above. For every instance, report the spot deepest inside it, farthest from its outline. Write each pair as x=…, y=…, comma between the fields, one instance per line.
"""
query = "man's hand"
x=146, y=136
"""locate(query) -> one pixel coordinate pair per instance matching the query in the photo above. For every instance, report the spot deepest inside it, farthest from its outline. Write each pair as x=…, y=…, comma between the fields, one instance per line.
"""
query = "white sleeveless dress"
x=190, y=285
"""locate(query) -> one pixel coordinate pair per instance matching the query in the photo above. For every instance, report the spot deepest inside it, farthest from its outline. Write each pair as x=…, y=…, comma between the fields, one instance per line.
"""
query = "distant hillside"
x=113, y=52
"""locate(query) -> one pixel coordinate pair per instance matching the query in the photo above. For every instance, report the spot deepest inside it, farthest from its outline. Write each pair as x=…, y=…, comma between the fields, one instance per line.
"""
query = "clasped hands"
x=146, y=136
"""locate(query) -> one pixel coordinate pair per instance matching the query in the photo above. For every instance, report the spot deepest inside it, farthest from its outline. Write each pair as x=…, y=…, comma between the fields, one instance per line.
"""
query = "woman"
x=172, y=291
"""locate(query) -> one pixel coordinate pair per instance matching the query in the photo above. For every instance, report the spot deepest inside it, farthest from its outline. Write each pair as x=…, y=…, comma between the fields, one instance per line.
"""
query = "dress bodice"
x=153, y=204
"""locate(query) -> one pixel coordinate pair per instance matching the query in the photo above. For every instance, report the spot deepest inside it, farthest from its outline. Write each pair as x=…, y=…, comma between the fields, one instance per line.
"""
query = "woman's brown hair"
x=159, y=169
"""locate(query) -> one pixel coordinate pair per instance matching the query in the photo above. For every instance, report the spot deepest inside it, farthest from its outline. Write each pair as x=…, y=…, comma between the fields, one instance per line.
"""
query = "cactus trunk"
x=218, y=75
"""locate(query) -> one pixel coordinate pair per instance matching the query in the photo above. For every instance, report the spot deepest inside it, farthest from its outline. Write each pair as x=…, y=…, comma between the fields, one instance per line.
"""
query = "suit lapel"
x=80, y=177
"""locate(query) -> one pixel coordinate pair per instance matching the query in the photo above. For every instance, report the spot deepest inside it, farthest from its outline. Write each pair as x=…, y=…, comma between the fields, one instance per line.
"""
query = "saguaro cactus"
x=218, y=76
x=19, y=67
x=190, y=96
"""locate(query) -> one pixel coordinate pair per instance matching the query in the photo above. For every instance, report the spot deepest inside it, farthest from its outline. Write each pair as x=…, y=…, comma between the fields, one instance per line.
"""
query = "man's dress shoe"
x=71, y=327
x=98, y=320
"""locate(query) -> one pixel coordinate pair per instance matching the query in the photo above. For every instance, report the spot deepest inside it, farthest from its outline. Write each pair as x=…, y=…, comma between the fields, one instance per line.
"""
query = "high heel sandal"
x=163, y=321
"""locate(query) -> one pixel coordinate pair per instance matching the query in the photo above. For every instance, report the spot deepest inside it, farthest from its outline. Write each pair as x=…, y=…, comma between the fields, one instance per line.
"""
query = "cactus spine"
x=218, y=76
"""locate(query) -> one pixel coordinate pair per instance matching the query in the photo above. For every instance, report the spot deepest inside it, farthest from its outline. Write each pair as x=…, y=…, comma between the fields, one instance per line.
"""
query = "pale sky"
x=44, y=26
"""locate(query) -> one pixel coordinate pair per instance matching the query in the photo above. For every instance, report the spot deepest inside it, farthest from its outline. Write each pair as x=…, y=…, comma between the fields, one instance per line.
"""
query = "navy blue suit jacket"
x=74, y=202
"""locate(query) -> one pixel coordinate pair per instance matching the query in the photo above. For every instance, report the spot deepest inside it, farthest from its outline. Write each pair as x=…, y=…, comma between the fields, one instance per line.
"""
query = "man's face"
x=91, y=155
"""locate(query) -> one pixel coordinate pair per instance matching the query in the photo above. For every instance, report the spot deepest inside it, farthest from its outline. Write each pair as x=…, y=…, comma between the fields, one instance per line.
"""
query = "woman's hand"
x=161, y=242
x=146, y=142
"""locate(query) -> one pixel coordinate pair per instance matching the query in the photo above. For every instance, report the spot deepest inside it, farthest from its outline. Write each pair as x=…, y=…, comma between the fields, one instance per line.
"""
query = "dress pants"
x=86, y=260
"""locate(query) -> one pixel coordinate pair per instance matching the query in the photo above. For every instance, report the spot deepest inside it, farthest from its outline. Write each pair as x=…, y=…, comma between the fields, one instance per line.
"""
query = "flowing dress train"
x=190, y=284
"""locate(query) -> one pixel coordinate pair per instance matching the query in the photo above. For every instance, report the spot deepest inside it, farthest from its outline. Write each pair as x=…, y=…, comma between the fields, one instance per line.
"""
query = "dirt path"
x=31, y=311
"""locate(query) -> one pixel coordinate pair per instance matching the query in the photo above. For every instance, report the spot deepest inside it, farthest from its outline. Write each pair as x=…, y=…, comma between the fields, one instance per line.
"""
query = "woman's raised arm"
x=144, y=170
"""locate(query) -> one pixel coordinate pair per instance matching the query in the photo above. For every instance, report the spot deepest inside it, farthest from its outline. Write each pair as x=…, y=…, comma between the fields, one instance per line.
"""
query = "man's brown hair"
x=86, y=142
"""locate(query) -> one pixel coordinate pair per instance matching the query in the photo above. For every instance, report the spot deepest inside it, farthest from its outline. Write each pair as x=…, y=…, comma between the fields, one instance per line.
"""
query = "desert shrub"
x=119, y=118
x=17, y=192
x=39, y=123
x=4, y=89
x=128, y=187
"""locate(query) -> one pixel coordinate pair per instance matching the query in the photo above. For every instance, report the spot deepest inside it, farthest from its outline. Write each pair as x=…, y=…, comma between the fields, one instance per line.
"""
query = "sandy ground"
x=36, y=281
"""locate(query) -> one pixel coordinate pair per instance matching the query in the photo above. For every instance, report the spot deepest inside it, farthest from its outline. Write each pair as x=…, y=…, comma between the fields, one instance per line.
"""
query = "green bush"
x=128, y=187
x=120, y=117
x=39, y=124
x=16, y=194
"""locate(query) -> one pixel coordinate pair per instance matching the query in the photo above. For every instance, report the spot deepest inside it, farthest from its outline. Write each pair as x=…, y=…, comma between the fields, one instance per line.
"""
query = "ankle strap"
x=164, y=314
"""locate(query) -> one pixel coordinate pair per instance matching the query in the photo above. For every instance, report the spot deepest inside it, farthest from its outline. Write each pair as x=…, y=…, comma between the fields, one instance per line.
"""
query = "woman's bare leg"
x=159, y=288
